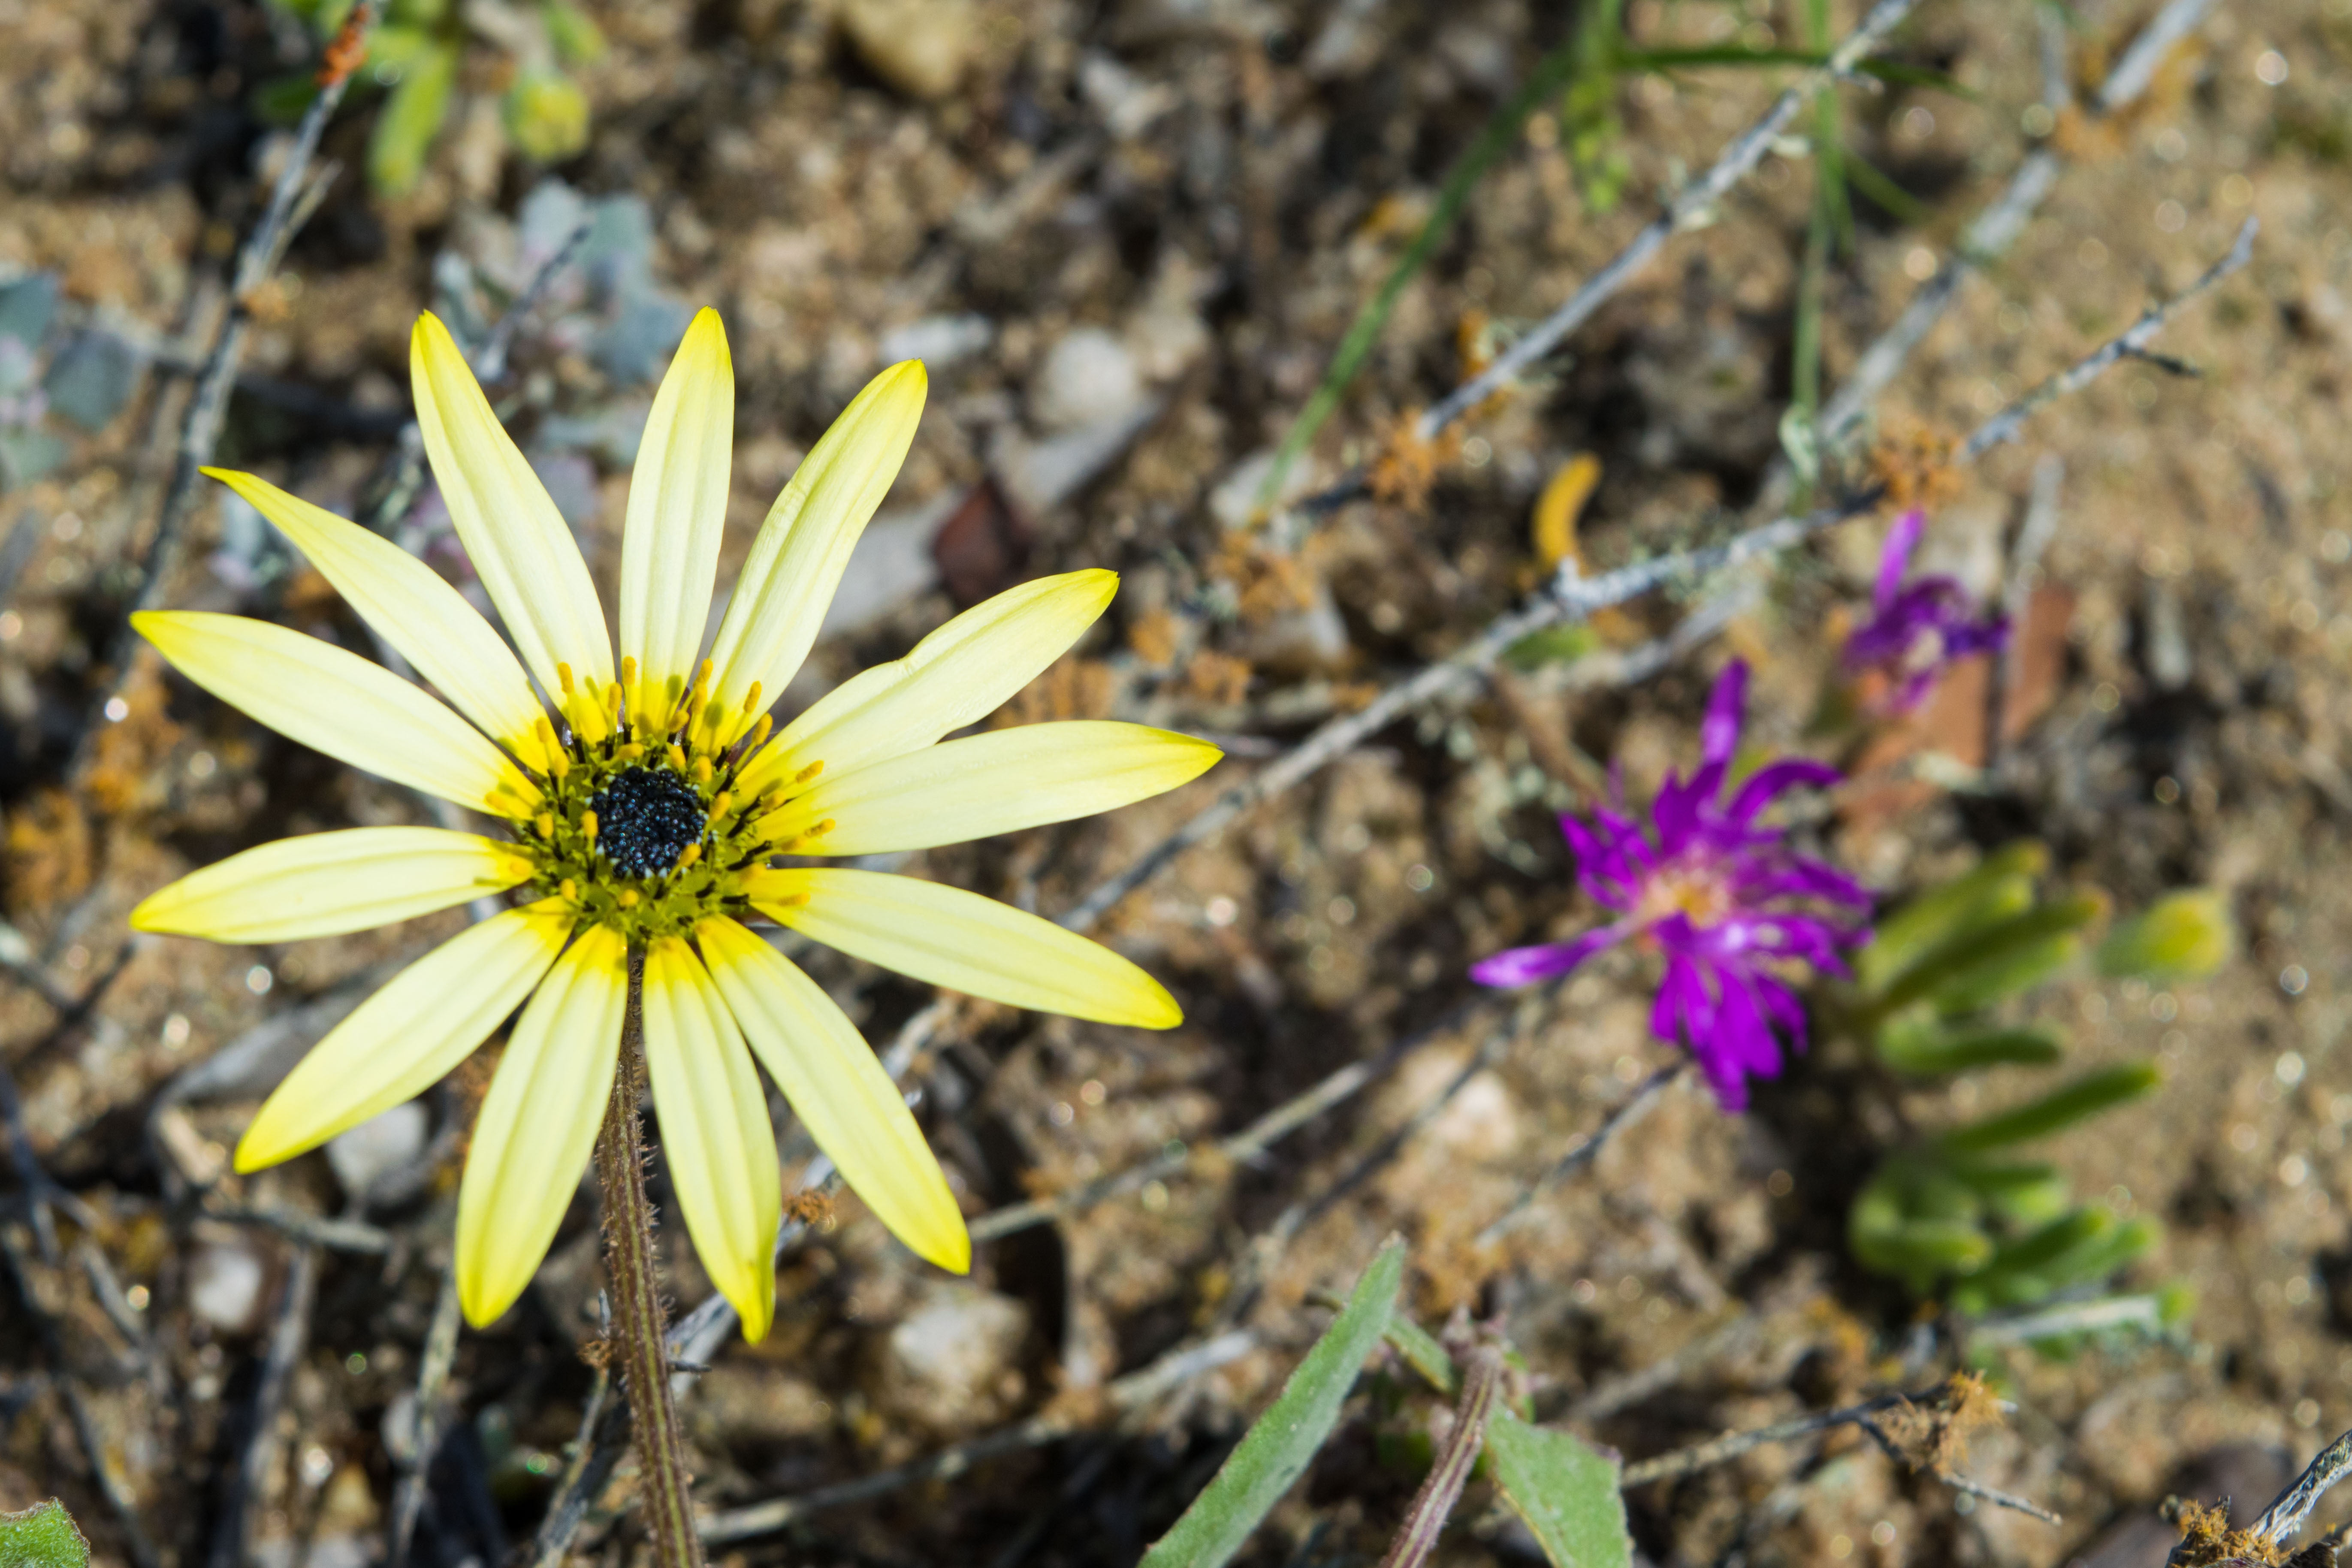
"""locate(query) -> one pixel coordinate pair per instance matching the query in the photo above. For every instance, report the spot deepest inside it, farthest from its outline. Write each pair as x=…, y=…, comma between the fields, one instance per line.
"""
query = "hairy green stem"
x=635, y=1278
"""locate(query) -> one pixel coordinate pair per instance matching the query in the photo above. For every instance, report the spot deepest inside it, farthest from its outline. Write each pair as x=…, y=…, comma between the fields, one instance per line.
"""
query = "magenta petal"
x=1896, y=558
x=1767, y=784
x=1525, y=966
x=1718, y=733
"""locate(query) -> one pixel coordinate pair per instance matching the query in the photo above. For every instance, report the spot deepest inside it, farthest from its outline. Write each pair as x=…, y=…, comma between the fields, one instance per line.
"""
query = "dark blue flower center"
x=645, y=819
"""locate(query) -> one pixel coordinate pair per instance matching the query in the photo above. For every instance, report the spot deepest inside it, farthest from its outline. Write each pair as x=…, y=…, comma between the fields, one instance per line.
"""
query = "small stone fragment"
x=1088, y=376
x=377, y=1147
x=224, y=1281
x=952, y=1363
x=919, y=47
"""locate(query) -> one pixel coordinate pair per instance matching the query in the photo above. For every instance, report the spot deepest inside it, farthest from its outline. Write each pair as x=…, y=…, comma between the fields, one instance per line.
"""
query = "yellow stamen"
x=676, y=757
x=700, y=771
x=563, y=678
x=766, y=723
x=808, y=773
x=629, y=751
x=569, y=889
x=558, y=767
x=588, y=826
x=750, y=697
x=628, y=899
x=719, y=803
x=689, y=856
x=546, y=825
x=790, y=901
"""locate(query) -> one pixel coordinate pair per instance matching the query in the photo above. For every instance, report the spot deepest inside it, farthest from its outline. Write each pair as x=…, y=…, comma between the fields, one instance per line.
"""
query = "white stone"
x=224, y=1281
x=952, y=1364
x=377, y=1147
x=938, y=341
x=1087, y=378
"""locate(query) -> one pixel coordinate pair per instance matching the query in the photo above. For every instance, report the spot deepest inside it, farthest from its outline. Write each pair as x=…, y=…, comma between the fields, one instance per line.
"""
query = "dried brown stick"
x=1335, y=1089
x=431, y=1416
x=1432, y=1505
x=1585, y=1149
x=1722, y=1450
x=292, y=198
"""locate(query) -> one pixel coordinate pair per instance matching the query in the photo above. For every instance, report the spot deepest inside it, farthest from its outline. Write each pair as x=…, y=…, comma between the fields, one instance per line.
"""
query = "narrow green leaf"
x=1937, y=1050
x=1972, y=961
x=1875, y=183
x=1278, y=1446
x=1421, y=1353
x=1564, y=1488
x=2100, y=1256
x=43, y=1536
x=2085, y=1097
x=2055, y=1240
x=2022, y=1195
x=577, y=40
x=411, y=118
x=2000, y=885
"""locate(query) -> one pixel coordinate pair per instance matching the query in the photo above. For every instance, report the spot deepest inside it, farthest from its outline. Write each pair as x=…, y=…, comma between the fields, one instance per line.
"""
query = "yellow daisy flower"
x=642, y=802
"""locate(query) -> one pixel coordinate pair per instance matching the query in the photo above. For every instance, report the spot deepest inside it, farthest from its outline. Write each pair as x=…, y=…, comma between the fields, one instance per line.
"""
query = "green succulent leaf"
x=2083, y=1098
x=1929, y=1050
x=1998, y=886
x=411, y=119
x=2185, y=935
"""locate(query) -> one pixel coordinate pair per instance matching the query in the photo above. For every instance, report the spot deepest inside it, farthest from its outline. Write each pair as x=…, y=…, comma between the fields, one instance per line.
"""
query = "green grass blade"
x=2085, y=1097
x=1280, y=1444
x=1873, y=183
x=1565, y=1491
x=1550, y=73
x=411, y=118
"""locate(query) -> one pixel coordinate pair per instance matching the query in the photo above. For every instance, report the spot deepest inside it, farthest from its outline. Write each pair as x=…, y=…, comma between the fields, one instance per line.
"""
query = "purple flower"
x=1914, y=634
x=1724, y=900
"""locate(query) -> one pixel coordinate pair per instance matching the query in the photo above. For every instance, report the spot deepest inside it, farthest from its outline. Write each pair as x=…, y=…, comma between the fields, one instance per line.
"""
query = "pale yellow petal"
x=957, y=676
x=841, y=1093
x=410, y=607
x=715, y=1131
x=423, y=1022
x=983, y=785
x=339, y=704
x=948, y=937
x=797, y=560
x=323, y=884
x=677, y=511
x=518, y=542
x=539, y=1123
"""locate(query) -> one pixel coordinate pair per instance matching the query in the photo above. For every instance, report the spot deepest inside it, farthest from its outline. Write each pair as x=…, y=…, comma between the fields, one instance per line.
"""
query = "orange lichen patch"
x=1153, y=638
x=49, y=852
x=810, y=1206
x=1266, y=583
x=1915, y=466
x=126, y=756
x=1073, y=688
x=1934, y=1437
x=2206, y=1538
x=1216, y=679
x=1409, y=463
